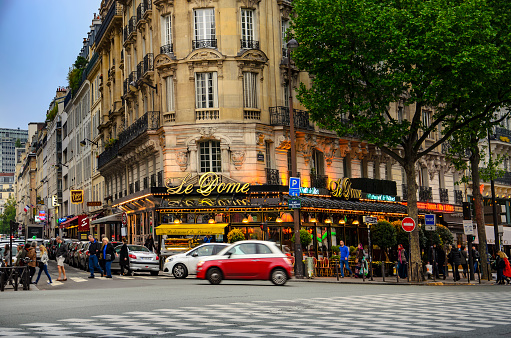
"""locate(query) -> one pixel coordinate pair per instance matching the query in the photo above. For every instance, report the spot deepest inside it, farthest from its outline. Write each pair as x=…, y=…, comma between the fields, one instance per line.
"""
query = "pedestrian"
x=433, y=259
x=441, y=261
x=108, y=255
x=20, y=256
x=464, y=260
x=206, y=239
x=401, y=262
x=149, y=243
x=344, y=253
x=359, y=261
x=475, y=257
x=43, y=264
x=500, y=265
x=455, y=260
x=32, y=255
x=124, y=261
x=94, y=251
x=506, y=272
x=5, y=256
x=61, y=254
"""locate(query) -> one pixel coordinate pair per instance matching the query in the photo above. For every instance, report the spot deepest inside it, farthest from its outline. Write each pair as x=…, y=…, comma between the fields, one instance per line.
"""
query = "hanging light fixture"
x=356, y=222
x=328, y=220
x=245, y=219
x=278, y=220
x=211, y=221
x=177, y=221
x=313, y=220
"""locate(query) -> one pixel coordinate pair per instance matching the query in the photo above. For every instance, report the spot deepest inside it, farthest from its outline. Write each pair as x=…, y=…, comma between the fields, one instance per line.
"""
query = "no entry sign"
x=408, y=224
x=124, y=218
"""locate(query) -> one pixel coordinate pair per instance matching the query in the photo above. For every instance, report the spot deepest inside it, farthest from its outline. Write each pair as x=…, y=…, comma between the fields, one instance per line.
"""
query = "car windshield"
x=138, y=248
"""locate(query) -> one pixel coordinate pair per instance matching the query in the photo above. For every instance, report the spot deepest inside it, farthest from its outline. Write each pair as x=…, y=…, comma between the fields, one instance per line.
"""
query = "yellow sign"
x=191, y=229
x=342, y=188
x=77, y=196
x=208, y=183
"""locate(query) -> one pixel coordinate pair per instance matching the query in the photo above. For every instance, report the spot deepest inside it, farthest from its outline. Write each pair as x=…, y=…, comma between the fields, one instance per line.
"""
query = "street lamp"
x=292, y=45
x=84, y=142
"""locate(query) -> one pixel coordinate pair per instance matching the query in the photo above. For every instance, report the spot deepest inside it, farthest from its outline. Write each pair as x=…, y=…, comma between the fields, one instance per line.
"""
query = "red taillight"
x=132, y=256
x=157, y=258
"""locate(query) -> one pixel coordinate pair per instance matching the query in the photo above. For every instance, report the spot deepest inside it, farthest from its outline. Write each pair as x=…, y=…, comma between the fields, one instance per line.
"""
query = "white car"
x=184, y=264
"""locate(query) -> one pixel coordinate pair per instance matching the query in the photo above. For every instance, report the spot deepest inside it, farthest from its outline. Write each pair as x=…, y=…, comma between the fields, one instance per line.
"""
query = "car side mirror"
x=195, y=254
x=228, y=254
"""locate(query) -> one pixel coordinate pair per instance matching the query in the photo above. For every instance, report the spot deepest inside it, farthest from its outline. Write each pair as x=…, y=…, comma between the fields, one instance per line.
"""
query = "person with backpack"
x=43, y=264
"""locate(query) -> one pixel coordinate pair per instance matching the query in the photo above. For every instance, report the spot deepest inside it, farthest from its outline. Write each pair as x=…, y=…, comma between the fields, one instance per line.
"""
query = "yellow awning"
x=191, y=229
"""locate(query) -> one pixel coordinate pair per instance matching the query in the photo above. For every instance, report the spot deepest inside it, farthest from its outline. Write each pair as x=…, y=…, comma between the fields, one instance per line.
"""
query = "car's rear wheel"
x=154, y=273
x=214, y=276
x=180, y=271
x=279, y=276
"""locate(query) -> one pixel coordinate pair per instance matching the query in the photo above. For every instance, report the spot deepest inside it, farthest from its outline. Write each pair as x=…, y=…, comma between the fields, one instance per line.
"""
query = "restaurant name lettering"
x=342, y=188
x=208, y=183
x=204, y=202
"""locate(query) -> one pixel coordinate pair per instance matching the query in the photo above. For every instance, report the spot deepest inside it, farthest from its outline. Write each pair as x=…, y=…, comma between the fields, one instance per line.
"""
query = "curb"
x=312, y=280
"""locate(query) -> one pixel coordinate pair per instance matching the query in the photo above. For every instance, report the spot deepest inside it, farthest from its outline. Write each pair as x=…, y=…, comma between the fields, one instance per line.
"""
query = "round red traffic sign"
x=124, y=218
x=408, y=224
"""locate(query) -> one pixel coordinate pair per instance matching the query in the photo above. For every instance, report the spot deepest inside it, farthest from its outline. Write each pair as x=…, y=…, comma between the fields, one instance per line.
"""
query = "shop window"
x=210, y=156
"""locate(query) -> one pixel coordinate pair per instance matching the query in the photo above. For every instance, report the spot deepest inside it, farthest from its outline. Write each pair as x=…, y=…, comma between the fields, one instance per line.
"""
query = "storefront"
x=109, y=226
x=76, y=227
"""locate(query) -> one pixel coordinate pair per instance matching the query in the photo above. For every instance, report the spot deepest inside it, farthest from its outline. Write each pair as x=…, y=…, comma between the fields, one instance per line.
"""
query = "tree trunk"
x=415, y=261
x=478, y=207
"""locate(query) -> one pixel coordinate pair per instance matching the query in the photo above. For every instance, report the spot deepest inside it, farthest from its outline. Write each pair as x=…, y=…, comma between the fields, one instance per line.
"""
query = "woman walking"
x=124, y=260
x=359, y=261
x=108, y=255
x=43, y=264
x=31, y=253
x=401, y=261
x=506, y=273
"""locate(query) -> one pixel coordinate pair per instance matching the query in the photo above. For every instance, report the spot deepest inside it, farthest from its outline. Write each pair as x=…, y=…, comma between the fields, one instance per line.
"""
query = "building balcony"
x=425, y=194
x=148, y=65
x=249, y=44
x=207, y=115
x=272, y=176
x=458, y=197
x=114, y=13
x=502, y=134
x=319, y=181
x=108, y=155
x=132, y=26
x=444, y=195
x=140, y=12
x=279, y=116
x=505, y=180
x=167, y=49
x=204, y=43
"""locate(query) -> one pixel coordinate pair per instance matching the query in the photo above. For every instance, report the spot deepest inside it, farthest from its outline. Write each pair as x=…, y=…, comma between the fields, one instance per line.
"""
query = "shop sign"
x=83, y=223
x=208, y=183
x=77, y=196
x=434, y=207
x=309, y=191
x=342, y=188
x=42, y=215
x=94, y=204
x=204, y=202
x=378, y=197
x=62, y=220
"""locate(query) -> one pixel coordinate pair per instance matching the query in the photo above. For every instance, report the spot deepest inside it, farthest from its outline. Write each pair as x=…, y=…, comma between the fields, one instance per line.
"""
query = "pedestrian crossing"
x=381, y=315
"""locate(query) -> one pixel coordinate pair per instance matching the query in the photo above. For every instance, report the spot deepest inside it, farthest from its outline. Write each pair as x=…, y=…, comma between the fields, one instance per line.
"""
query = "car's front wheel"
x=214, y=276
x=279, y=276
x=179, y=271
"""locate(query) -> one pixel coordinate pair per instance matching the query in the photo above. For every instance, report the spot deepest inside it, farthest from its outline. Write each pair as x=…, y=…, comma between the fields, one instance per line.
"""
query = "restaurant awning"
x=490, y=235
x=68, y=222
x=115, y=218
x=328, y=203
x=191, y=229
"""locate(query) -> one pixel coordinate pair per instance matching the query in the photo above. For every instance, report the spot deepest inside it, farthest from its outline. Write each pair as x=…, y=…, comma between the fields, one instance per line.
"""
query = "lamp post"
x=291, y=45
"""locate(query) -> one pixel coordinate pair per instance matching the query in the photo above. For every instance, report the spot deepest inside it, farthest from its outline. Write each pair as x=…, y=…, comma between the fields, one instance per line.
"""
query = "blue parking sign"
x=429, y=219
x=294, y=186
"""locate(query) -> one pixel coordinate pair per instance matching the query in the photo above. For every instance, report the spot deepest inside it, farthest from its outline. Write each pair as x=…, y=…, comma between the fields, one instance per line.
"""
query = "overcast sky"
x=39, y=41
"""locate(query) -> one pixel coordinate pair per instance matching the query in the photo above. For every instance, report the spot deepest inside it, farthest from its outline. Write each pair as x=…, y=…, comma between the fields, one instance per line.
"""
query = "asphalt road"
x=145, y=306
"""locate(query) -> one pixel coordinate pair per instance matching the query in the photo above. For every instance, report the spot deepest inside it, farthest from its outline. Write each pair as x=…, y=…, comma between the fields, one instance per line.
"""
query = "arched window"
x=209, y=156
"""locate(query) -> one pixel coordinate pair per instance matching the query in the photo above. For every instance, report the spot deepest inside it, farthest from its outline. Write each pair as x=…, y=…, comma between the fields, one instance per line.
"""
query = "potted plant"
x=235, y=235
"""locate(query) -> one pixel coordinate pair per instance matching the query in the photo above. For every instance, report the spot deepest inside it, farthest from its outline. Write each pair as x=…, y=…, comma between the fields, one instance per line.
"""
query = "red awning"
x=95, y=216
x=68, y=222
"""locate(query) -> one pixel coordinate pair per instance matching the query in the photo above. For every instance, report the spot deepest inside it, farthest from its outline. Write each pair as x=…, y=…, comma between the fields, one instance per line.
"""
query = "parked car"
x=140, y=259
x=84, y=256
x=14, y=251
x=77, y=253
x=72, y=244
x=247, y=260
x=184, y=264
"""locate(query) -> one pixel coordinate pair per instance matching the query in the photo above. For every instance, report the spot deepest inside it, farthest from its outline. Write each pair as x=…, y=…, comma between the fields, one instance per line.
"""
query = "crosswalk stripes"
x=78, y=279
x=442, y=314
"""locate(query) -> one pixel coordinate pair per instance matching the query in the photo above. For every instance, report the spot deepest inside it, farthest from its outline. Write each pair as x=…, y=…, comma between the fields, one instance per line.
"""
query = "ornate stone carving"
x=249, y=3
x=182, y=160
x=305, y=146
x=204, y=55
x=163, y=61
x=329, y=147
x=260, y=139
x=164, y=6
x=283, y=142
x=201, y=3
x=238, y=157
x=344, y=148
x=206, y=132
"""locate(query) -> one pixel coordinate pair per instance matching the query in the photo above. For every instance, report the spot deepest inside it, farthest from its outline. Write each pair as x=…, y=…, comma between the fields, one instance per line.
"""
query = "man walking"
x=344, y=253
x=94, y=251
x=475, y=258
x=60, y=254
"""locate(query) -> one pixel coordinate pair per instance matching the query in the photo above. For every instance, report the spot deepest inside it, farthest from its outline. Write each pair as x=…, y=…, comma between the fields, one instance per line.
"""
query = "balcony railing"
x=204, y=43
x=272, y=176
x=279, y=116
x=115, y=10
x=133, y=77
x=140, y=69
x=132, y=25
x=405, y=192
x=506, y=179
x=207, y=114
x=319, y=181
x=149, y=121
x=167, y=49
x=108, y=155
x=140, y=11
x=249, y=44
x=444, y=195
x=148, y=63
x=425, y=194
x=502, y=132
x=458, y=197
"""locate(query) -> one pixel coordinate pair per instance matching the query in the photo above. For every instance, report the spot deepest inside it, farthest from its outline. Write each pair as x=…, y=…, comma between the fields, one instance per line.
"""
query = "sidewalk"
x=392, y=280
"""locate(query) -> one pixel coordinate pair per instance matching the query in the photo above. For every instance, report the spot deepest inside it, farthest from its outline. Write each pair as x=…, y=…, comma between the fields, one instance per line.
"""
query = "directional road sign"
x=294, y=186
x=294, y=203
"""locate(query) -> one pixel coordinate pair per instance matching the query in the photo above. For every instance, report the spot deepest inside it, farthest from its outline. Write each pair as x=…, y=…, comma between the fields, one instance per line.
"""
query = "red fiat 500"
x=249, y=260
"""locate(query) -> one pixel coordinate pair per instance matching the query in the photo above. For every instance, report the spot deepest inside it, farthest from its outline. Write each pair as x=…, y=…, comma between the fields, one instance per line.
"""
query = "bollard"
x=417, y=271
x=479, y=271
x=407, y=273
x=337, y=270
x=397, y=274
x=383, y=270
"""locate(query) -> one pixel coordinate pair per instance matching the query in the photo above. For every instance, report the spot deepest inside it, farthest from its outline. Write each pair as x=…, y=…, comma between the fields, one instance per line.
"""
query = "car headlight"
x=168, y=259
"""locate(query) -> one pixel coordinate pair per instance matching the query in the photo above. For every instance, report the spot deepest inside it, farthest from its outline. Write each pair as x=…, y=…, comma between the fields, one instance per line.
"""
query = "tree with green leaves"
x=446, y=62
x=305, y=238
x=74, y=76
x=8, y=215
x=383, y=234
x=17, y=144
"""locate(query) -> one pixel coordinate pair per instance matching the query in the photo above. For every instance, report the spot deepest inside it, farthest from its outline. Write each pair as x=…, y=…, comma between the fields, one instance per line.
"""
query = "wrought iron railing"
x=204, y=43
x=140, y=69
x=425, y=194
x=404, y=187
x=148, y=63
x=89, y=66
x=167, y=49
x=149, y=121
x=319, y=181
x=132, y=25
x=125, y=33
x=249, y=44
x=115, y=10
x=444, y=195
x=279, y=116
x=502, y=132
x=458, y=197
x=140, y=11
x=506, y=179
x=272, y=176
x=108, y=155
x=133, y=77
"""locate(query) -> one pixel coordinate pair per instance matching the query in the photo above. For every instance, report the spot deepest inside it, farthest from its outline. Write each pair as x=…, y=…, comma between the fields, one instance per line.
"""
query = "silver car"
x=184, y=264
x=141, y=259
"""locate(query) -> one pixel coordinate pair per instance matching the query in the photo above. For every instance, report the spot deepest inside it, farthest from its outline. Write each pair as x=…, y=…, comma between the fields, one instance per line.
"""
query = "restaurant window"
x=209, y=156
